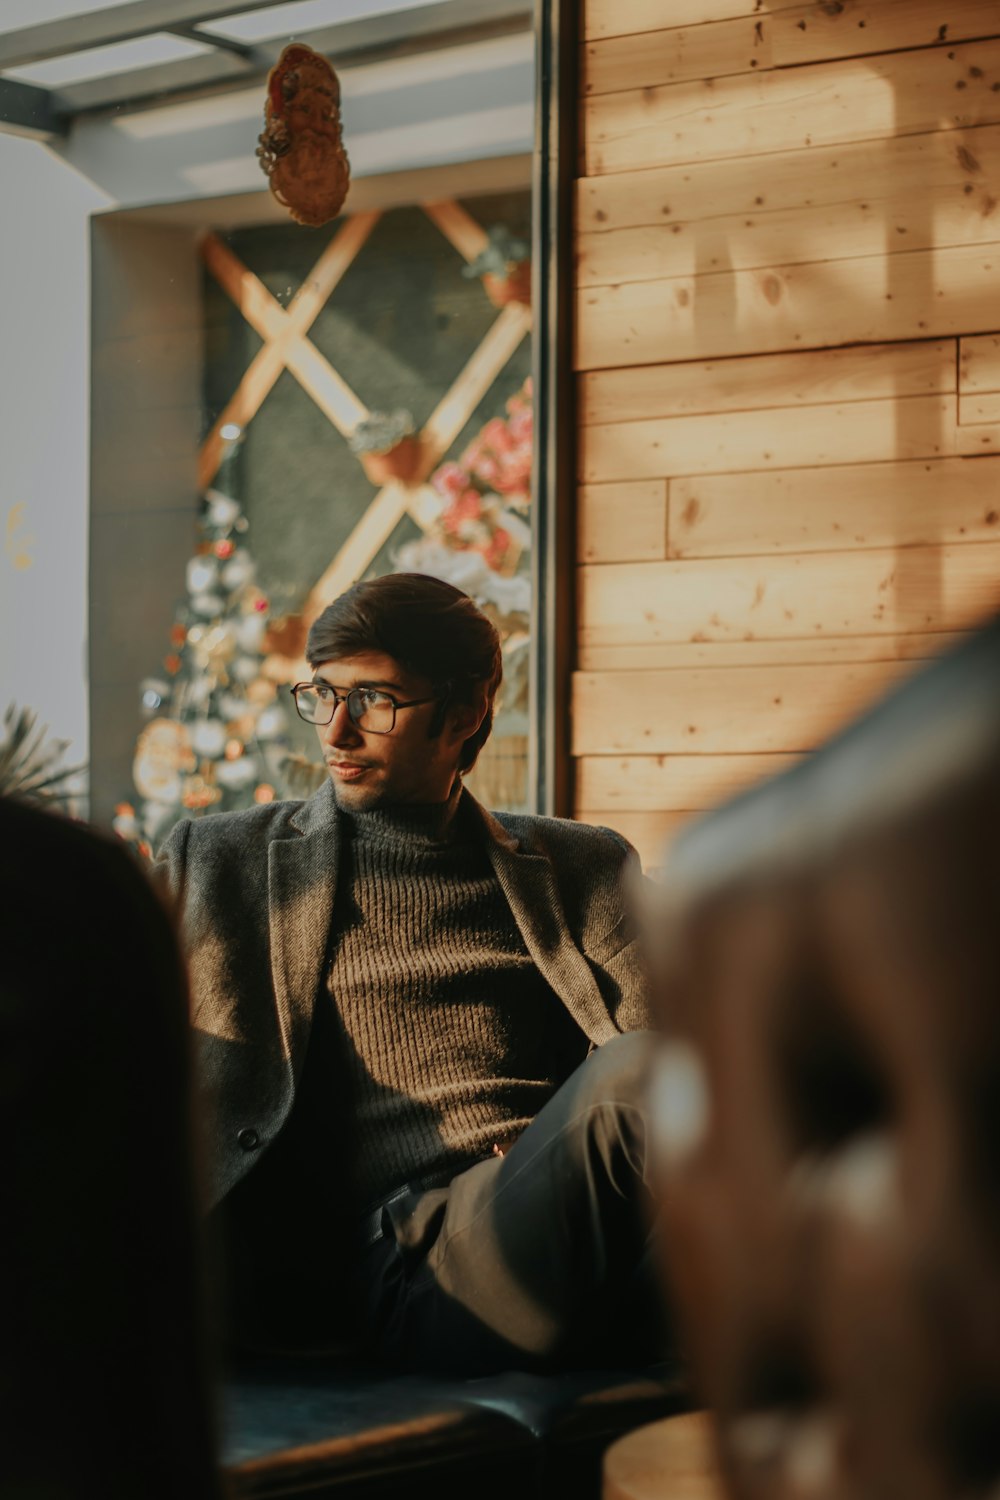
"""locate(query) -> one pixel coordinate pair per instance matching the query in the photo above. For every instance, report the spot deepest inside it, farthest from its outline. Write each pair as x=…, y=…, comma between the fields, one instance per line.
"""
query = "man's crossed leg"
x=537, y=1259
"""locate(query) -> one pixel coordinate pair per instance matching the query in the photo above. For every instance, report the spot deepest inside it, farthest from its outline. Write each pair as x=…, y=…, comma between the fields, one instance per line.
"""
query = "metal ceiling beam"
x=220, y=43
x=114, y=23
x=350, y=44
x=120, y=92
x=27, y=110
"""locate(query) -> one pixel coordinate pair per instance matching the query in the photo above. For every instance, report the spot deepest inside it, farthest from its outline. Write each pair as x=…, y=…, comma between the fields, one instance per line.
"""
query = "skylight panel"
x=300, y=16
x=97, y=62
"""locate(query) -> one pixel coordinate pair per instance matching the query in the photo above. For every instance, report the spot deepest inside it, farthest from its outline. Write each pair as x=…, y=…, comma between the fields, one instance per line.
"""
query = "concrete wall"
x=146, y=379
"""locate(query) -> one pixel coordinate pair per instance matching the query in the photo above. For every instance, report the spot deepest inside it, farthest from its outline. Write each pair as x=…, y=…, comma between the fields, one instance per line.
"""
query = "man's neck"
x=419, y=822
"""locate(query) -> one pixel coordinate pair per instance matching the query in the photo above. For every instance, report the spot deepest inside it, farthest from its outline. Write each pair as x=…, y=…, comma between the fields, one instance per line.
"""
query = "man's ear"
x=463, y=719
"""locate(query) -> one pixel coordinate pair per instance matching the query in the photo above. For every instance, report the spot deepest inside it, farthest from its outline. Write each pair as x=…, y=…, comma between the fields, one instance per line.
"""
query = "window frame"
x=554, y=461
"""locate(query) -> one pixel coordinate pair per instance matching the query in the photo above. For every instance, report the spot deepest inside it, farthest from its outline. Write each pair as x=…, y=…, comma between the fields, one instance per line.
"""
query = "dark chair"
x=295, y=1427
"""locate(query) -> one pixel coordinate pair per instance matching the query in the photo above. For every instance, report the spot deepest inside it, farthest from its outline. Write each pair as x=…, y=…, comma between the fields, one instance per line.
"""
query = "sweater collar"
x=320, y=811
x=413, y=825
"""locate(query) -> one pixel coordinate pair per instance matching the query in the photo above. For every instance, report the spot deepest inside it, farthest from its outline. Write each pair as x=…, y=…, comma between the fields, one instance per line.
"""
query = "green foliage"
x=503, y=250
x=29, y=763
x=382, y=430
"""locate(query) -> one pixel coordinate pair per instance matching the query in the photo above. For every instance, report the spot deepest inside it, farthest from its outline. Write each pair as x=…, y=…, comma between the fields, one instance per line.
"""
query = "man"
x=396, y=994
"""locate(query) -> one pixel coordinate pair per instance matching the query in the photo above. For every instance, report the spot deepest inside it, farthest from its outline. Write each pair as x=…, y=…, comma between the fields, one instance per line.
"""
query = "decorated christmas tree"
x=215, y=736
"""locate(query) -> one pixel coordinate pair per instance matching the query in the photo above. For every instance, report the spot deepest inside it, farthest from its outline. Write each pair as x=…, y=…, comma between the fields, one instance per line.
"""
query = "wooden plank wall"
x=788, y=345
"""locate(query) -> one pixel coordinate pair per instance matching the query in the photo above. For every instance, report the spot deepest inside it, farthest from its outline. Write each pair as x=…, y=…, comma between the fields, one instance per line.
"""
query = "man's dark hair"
x=430, y=628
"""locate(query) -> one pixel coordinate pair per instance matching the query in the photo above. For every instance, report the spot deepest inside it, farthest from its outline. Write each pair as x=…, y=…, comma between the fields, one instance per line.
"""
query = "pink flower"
x=496, y=435
x=498, y=548
x=475, y=534
x=467, y=507
x=450, y=480
x=488, y=470
x=515, y=474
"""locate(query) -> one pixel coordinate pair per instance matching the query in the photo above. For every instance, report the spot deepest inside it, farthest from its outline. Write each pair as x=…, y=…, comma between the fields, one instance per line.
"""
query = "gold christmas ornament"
x=198, y=794
x=241, y=728
x=163, y=753
x=300, y=148
x=260, y=692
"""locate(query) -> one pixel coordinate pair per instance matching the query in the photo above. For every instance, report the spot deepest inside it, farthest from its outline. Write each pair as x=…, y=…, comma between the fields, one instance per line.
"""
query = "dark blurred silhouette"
x=828, y=961
x=103, y=1372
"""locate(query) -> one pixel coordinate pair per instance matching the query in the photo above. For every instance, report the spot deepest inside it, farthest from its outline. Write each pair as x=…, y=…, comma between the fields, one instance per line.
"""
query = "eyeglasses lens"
x=374, y=712
x=308, y=706
x=369, y=710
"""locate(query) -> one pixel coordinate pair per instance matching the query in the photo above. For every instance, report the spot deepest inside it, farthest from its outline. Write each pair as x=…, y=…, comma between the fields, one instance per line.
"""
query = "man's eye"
x=322, y=693
x=373, y=698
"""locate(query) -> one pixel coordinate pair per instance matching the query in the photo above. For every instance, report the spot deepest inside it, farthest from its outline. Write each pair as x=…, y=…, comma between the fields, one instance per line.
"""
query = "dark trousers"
x=539, y=1259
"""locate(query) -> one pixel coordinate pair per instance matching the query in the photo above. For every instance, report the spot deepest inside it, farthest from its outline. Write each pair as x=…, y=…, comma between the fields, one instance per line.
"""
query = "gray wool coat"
x=254, y=892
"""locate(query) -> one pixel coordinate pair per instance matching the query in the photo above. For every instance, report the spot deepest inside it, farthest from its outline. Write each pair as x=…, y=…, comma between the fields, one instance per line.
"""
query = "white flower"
x=468, y=571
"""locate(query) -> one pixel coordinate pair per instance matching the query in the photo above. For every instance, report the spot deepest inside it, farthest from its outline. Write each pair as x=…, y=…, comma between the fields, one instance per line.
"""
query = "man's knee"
x=618, y=1072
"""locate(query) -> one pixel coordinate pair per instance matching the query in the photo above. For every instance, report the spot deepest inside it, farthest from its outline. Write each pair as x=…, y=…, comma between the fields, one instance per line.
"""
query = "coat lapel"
x=302, y=883
x=529, y=884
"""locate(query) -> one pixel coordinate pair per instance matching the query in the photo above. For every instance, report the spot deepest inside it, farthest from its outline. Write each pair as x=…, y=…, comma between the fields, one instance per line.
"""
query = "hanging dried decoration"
x=300, y=148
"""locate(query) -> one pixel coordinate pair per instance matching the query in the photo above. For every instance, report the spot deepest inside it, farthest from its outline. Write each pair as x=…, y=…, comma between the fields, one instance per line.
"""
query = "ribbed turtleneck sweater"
x=454, y=1041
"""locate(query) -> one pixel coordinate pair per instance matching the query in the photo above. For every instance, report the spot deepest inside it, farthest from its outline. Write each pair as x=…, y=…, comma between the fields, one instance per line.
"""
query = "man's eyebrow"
x=368, y=682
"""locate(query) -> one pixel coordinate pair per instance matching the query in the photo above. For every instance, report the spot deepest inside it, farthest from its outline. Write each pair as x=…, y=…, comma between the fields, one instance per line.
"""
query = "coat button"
x=249, y=1140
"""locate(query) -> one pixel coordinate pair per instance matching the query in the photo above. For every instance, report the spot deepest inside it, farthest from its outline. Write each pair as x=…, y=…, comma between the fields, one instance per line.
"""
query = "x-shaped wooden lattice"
x=287, y=346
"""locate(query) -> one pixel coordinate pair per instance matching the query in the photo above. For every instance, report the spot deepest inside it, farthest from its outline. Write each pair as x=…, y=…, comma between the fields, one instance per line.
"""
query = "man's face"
x=369, y=770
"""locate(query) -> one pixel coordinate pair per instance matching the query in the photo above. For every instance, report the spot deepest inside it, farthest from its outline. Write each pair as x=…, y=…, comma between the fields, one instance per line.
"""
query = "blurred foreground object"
x=300, y=148
x=103, y=1387
x=827, y=958
x=667, y=1460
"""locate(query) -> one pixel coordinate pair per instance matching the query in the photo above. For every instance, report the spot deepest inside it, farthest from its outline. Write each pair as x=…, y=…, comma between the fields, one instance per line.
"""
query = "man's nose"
x=341, y=729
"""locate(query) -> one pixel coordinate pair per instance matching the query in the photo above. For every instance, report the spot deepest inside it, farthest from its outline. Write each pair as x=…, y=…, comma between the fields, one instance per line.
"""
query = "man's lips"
x=347, y=768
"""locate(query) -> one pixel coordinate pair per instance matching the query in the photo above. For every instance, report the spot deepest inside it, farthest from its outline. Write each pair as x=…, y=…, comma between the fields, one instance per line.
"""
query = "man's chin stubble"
x=356, y=799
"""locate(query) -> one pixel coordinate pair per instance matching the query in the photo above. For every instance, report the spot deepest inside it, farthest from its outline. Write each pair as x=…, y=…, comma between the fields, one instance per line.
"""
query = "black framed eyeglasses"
x=370, y=709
